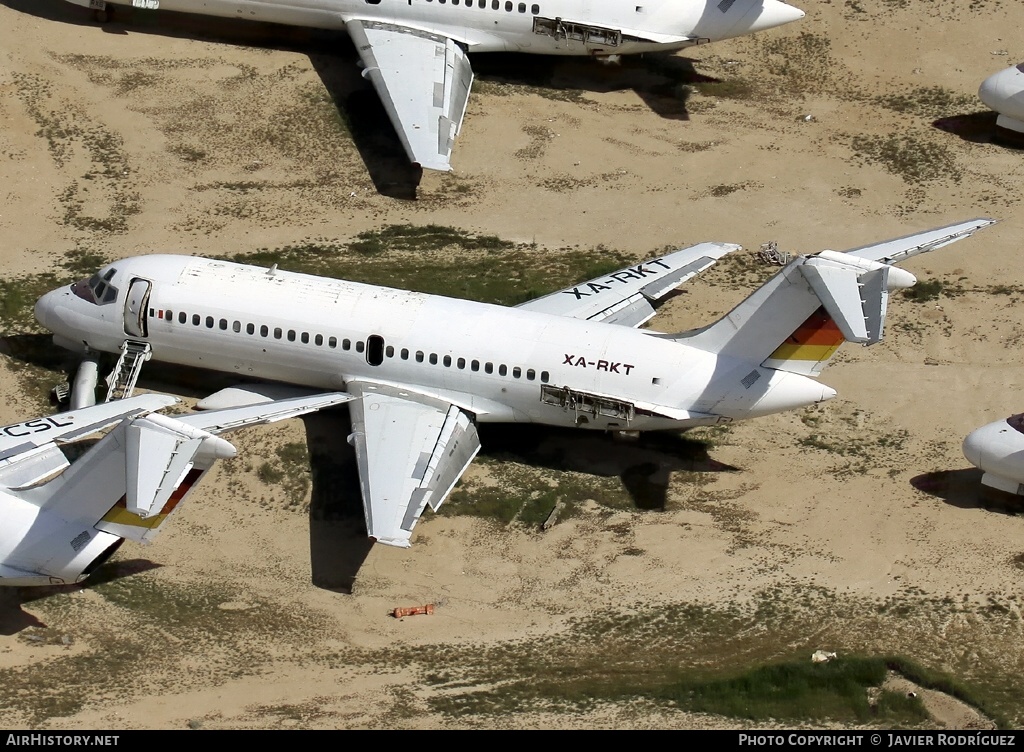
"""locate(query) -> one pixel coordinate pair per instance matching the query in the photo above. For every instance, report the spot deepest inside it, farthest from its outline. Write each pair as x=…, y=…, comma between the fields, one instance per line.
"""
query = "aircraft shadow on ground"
x=963, y=489
x=978, y=128
x=662, y=80
x=14, y=619
x=644, y=464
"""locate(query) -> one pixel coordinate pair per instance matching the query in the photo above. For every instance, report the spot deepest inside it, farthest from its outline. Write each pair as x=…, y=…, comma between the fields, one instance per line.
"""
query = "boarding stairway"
x=121, y=380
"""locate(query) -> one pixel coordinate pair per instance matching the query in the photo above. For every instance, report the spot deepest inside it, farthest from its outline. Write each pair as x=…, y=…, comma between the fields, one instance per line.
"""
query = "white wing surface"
x=423, y=80
x=230, y=419
x=23, y=437
x=411, y=450
x=624, y=297
x=894, y=251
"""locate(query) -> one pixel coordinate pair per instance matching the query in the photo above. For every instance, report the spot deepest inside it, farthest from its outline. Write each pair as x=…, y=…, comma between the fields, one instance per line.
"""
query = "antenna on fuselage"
x=272, y=270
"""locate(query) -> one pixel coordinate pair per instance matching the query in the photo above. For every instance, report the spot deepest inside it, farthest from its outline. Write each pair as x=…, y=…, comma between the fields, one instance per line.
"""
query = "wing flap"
x=423, y=80
x=624, y=297
x=410, y=454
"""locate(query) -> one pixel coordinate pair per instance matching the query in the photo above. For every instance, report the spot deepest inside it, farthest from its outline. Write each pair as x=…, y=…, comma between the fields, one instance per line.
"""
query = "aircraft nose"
x=45, y=308
x=981, y=442
x=772, y=13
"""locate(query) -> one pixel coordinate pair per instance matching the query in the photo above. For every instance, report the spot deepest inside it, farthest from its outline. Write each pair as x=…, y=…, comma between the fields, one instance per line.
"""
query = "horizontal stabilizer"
x=899, y=249
x=23, y=437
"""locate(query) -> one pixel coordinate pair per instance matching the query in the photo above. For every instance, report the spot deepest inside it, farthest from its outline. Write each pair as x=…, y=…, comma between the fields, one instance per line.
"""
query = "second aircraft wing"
x=624, y=297
x=411, y=449
x=423, y=80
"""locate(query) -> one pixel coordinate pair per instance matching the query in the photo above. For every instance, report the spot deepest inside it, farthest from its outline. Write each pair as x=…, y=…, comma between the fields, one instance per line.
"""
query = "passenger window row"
x=375, y=355
x=495, y=5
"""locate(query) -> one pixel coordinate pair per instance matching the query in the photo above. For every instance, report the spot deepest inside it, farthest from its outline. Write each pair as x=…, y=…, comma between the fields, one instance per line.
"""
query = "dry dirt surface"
x=857, y=527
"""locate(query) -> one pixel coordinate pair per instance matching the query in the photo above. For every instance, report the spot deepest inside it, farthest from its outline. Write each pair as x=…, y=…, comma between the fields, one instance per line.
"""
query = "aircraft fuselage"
x=516, y=26
x=500, y=364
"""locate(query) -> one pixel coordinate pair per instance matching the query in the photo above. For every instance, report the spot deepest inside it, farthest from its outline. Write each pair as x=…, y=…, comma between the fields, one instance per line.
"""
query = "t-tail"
x=797, y=320
x=64, y=518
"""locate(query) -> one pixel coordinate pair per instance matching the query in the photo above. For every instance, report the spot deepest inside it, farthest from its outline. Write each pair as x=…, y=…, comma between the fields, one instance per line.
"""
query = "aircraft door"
x=135, y=308
x=374, y=349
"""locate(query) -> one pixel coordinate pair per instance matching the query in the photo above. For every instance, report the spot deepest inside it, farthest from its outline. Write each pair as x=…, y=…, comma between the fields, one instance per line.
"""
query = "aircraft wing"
x=411, y=449
x=894, y=251
x=625, y=297
x=230, y=419
x=22, y=437
x=423, y=80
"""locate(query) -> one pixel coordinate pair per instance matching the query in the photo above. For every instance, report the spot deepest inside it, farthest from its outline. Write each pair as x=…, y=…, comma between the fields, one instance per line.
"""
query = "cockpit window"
x=97, y=289
x=1016, y=422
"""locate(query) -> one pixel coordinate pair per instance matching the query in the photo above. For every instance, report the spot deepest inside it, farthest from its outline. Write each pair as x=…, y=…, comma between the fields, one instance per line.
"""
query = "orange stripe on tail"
x=814, y=341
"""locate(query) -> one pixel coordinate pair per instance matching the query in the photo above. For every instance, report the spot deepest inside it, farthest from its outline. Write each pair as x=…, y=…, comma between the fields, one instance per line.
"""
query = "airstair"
x=121, y=380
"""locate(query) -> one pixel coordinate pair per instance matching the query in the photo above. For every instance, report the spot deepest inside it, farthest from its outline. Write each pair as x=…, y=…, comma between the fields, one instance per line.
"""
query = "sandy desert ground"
x=856, y=527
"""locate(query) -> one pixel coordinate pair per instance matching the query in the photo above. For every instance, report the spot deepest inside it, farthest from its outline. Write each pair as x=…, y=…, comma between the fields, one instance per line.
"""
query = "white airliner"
x=423, y=370
x=60, y=518
x=1004, y=93
x=414, y=51
x=998, y=450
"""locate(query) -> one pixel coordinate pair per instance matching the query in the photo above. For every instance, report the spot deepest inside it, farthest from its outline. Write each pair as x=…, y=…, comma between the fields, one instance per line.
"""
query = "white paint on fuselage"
x=490, y=29
x=656, y=374
x=998, y=450
x=1004, y=93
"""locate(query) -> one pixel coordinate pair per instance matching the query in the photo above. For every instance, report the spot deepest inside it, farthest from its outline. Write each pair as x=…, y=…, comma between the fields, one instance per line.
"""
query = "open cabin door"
x=135, y=308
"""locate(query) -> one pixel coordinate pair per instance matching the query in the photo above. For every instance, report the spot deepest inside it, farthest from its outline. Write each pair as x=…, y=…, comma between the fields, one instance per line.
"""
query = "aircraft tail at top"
x=797, y=320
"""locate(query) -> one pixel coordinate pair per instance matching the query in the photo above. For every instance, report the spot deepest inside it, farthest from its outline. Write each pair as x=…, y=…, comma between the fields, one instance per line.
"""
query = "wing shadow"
x=644, y=464
x=338, y=543
x=663, y=81
x=963, y=489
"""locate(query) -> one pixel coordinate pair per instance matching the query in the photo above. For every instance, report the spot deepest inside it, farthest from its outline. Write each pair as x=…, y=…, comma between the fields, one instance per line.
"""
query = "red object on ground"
x=398, y=613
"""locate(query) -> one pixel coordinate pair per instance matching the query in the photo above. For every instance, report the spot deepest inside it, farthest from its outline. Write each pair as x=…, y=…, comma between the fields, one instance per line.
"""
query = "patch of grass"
x=462, y=265
x=927, y=101
x=527, y=496
x=798, y=690
x=913, y=158
x=430, y=238
x=290, y=470
x=805, y=61
x=732, y=88
x=925, y=290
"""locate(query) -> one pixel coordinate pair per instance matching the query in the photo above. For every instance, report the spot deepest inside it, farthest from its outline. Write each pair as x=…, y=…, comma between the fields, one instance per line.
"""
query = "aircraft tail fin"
x=125, y=486
x=798, y=319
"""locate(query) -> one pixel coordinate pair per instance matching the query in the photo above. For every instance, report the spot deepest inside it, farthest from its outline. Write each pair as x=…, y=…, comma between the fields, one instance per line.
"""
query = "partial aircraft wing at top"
x=892, y=251
x=423, y=80
x=411, y=450
x=625, y=297
x=22, y=437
